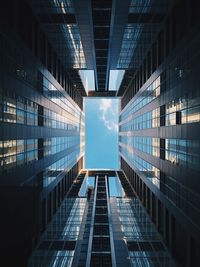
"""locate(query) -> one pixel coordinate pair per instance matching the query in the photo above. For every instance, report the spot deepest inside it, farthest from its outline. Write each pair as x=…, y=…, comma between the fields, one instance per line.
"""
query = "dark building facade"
x=159, y=132
x=42, y=129
x=46, y=218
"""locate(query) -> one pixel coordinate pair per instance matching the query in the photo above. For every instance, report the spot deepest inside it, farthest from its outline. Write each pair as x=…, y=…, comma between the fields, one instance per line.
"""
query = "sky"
x=101, y=133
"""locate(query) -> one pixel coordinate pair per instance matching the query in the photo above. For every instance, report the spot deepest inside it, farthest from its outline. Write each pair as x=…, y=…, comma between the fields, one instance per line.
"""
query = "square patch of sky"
x=101, y=141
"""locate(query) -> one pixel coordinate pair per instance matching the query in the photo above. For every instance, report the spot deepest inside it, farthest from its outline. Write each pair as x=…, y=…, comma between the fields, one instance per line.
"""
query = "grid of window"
x=136, y=225
x=151, y=92
x=72, y=35
x=148, y=145
x=62, y=99
x=17, y=152
x=20, y=110
x=17, y=109
x=54, y=120
x=147, y=120
x=64, y=227
x=57, y=144
x=73, y=38
x=181, y=196
x=182, y=110
x=129, y=44
x=20, y=67
x=144, y=243
x=58, y=168
x=183, y=152
x=66, y=224
x=148, y=170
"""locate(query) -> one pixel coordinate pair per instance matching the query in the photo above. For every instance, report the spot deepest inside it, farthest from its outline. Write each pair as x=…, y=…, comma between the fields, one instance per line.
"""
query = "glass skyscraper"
x=146, y=213
x=111, y=228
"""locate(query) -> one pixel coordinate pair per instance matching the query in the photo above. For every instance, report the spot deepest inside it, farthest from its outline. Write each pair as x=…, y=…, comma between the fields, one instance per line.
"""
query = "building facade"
x=109, y=228
x=45, y=213
x=42, y=129
x=159, y=131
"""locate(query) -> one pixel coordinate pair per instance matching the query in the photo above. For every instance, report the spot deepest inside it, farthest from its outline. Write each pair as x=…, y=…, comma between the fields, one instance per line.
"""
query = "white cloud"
x=109, y=112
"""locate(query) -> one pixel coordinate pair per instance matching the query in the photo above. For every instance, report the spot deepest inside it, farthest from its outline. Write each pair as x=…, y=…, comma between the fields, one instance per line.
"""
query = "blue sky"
x=101, y=133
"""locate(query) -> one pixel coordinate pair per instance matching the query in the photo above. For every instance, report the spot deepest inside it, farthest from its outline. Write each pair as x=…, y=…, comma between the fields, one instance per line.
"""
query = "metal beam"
x=89, y=251
x=101, y=93
x=110, y=226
